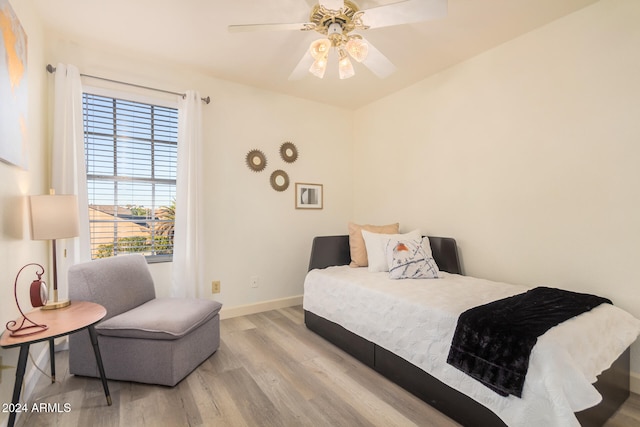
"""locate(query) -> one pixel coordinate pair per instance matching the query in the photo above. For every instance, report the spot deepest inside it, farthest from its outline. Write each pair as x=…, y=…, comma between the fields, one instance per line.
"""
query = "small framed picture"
x=308, y=196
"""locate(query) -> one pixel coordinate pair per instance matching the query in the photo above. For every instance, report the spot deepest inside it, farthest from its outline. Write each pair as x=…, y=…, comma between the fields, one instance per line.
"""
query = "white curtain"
x=68, y=171
x=187, y=277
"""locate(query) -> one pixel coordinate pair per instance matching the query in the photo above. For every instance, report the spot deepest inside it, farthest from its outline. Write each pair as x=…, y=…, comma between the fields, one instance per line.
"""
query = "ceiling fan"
x=338, y=21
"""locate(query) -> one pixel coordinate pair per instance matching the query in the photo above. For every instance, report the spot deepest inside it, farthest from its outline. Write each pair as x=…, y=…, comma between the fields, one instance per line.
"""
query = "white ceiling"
x=194, y=33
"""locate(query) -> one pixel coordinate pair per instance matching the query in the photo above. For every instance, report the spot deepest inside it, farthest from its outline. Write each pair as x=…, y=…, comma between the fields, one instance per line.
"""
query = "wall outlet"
x=215, y=287
x=253, y=281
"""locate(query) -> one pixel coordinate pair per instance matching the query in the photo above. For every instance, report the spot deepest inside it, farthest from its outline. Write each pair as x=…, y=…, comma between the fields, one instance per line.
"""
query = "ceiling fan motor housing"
x=326, y=21
x=334, y=28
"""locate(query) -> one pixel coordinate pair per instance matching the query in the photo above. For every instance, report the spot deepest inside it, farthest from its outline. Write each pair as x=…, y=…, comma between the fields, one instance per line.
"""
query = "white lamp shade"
x=54, y=217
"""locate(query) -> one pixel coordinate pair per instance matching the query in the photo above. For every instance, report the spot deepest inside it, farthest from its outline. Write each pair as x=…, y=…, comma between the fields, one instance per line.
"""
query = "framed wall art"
x=309, y=196
x=13, y=88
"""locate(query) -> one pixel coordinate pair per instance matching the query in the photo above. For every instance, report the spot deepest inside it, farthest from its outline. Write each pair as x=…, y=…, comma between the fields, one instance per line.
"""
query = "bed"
x=328, y=278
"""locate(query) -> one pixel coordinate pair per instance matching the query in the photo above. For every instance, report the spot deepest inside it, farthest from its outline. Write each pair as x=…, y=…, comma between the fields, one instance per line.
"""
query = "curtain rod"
x=52, y=69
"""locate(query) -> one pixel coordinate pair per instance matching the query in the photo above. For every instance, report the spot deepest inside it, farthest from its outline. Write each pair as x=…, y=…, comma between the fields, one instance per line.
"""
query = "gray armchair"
x=142, y=338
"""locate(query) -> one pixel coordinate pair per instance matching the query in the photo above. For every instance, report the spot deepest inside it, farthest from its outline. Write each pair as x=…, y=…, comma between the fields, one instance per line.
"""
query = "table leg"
x=53, y=360
x=17, y=387
x=96, y=350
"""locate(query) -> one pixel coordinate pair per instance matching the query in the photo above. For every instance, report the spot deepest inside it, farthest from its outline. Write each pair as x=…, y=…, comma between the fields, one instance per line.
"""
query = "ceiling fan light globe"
x=358, y=49
x=319, y=48
x=319, y=66
x=345, y=68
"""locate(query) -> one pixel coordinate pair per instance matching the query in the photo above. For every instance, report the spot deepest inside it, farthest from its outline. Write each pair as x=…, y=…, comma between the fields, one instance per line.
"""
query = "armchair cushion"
x=119, y=283
x=161, y=319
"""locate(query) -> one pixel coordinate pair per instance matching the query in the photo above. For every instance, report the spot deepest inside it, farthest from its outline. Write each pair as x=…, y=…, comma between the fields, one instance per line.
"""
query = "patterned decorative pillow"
x=376, y=244
x=408, y=259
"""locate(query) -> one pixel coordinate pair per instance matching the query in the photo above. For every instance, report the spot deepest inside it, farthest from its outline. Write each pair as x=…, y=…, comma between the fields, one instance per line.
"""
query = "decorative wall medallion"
x=288, y=152
x=279, y=180
x=256, y=160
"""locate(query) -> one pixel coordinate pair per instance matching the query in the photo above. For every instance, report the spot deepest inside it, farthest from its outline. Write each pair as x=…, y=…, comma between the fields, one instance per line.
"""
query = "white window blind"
x=131, y=155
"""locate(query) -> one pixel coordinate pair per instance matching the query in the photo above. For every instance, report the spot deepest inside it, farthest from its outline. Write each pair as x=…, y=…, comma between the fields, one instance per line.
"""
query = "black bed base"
x=613, y=384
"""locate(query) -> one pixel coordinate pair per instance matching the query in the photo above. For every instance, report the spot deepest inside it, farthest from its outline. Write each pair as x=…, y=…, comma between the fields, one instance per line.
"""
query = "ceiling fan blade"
x=404, y=12
x=268, y=27
x=302, y=69
x=332, y=4
x=377, y=62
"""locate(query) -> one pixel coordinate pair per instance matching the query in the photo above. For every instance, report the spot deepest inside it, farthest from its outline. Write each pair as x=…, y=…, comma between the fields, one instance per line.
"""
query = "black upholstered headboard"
x=327, y=251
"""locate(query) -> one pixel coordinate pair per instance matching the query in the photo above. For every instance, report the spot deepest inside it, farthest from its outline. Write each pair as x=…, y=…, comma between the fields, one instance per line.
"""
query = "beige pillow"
x=356, y=241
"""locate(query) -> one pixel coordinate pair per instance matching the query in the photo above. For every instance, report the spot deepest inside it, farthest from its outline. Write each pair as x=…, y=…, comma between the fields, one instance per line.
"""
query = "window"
x=131, y=155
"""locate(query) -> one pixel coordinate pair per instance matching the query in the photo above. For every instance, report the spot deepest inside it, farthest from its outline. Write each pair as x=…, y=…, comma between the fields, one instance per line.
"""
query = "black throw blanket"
x=492, y=342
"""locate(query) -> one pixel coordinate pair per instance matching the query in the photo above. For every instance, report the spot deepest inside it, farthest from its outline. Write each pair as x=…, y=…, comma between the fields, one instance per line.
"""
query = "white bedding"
x=416, y=319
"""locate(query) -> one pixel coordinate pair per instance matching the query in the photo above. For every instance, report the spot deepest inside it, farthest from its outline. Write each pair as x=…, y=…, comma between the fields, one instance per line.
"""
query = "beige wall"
x=16, y=246
x=252, y=229
x=527, y=154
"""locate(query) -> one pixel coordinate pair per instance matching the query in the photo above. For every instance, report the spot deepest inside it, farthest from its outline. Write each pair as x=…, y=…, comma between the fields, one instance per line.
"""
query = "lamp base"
x=54, y=305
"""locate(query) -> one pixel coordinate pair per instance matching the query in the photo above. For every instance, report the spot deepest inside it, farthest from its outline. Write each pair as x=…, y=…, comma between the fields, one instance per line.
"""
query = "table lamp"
x=54, y=217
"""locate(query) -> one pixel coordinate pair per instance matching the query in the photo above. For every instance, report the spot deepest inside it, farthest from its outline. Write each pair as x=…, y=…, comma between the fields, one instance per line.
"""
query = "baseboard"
x=259, y=307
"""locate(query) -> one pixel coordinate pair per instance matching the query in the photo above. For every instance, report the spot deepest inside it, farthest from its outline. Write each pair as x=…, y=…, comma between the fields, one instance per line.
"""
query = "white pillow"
x=376, y=245
x=409, y=260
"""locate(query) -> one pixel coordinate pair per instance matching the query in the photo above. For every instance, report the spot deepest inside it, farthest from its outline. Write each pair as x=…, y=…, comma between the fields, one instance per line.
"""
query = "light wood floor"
x=269, y=371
